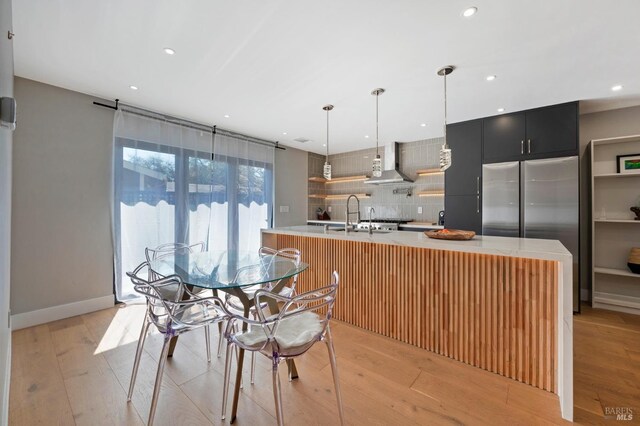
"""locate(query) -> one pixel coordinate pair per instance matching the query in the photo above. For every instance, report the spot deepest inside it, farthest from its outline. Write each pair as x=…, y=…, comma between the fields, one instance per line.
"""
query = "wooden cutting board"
x=450, y=234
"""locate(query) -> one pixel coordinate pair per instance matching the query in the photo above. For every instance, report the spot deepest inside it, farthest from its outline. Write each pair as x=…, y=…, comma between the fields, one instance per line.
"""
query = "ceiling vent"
x=302, y=140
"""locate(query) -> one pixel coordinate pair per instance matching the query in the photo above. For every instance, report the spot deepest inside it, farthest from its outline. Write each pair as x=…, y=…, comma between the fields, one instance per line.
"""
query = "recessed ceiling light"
x=324, y=144
x=500, y=109
x=423, y=125
x=133, y=87
x=227, y=116
x=491, y=77
x=169, y=51
x=616, y=88
x=284, y=133
x=469, y=12
x=366, y=136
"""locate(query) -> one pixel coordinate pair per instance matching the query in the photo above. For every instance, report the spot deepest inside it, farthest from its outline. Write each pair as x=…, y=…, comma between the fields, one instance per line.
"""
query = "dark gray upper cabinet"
x=537, y=133
x=504, y=137
x=552, y=129
x=465, y=140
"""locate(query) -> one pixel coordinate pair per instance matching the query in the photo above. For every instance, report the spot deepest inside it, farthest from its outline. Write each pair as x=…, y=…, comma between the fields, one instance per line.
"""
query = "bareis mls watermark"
x=618, y=413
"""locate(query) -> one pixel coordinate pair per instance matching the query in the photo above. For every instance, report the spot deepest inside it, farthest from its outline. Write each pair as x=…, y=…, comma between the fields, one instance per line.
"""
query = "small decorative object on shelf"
x=636, y=210
x=322, y=214
x=633, y=262
x=628, y=164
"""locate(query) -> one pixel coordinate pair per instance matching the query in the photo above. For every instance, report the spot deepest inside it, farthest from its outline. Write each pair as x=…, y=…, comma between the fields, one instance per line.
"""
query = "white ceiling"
x=272, y=65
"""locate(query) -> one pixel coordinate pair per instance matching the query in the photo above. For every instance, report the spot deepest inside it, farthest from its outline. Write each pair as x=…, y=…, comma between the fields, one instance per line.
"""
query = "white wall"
x=605, y=124
x=291, y=174
x=6, y=136
x=61, y=247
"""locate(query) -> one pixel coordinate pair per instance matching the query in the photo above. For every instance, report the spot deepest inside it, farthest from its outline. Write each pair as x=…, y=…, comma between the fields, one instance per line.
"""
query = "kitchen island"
x=496, y=303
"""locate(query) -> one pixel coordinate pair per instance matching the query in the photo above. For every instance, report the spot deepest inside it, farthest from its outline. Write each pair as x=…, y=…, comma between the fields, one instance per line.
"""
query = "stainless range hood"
x=391, y=172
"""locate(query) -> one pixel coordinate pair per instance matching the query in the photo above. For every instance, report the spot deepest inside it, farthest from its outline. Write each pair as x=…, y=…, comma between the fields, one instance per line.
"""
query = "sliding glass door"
x=165, y=193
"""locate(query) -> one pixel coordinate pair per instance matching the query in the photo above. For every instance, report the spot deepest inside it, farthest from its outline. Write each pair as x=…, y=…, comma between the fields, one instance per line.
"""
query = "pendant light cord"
x=327, y=135
x=377, y=95
x=445, y=109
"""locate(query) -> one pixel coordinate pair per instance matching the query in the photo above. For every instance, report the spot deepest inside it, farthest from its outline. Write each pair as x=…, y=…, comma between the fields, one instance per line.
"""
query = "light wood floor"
x=76, y=371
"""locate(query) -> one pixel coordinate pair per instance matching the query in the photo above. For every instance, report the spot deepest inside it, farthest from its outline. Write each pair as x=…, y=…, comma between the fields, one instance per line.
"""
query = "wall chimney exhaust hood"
x=391, y=172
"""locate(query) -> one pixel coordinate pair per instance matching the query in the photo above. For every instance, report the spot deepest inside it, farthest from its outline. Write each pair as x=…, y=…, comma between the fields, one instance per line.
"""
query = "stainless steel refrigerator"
x=535, y=199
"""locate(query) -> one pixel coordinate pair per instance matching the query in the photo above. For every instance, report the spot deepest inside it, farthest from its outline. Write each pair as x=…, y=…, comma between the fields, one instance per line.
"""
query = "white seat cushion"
x=293, y=332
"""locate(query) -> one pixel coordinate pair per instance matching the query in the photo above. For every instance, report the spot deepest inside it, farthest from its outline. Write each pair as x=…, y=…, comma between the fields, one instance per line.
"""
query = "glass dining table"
x=231, y=272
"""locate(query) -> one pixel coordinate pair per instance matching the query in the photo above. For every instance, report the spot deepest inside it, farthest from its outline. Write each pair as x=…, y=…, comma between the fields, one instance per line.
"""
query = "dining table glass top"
x=226, y=269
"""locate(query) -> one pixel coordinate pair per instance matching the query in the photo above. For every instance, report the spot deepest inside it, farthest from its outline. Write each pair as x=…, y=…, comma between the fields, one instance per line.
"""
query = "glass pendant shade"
x=376, y=170
x=445, y=157
x=327, y=170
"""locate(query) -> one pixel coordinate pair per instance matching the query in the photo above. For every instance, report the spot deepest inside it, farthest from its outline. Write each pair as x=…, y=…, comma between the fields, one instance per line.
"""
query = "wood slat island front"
x=492, y=311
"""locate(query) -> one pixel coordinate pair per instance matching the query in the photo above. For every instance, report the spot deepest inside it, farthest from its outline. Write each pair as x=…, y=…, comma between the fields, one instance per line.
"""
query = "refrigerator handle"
x=522, y=147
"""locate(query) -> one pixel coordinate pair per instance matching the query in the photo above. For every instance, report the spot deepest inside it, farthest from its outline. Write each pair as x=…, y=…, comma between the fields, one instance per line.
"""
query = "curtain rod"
x=187, y=123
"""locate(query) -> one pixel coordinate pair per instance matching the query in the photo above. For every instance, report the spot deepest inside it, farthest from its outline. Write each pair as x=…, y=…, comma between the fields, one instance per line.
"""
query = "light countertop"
x=505, y=246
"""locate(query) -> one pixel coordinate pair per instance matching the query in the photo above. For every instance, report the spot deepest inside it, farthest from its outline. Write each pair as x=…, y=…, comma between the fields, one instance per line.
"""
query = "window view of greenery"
x=151, y=175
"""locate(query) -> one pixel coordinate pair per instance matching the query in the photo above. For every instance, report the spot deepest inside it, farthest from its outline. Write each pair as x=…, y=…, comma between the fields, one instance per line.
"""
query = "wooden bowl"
x=450, y=234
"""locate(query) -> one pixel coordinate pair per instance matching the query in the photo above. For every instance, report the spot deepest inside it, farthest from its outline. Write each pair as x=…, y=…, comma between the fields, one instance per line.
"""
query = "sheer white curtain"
x=179, y=182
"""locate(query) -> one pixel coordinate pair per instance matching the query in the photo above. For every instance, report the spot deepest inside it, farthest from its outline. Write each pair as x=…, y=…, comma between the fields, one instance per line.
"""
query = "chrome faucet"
x=371, y=211
x=347, y=220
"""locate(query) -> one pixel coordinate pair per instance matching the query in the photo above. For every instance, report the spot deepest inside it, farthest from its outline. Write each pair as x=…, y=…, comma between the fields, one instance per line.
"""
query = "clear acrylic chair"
x=302, y=322
x=287, y=291
x=173, y=249
x=171, y=316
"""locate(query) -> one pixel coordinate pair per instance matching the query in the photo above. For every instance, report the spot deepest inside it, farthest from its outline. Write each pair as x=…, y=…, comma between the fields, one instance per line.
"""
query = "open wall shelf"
x=337, y=196
x=340, y=179
x=614, y=231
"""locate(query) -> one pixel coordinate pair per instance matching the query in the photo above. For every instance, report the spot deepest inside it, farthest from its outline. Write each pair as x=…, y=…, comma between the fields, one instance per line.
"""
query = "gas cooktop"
x=390, y=220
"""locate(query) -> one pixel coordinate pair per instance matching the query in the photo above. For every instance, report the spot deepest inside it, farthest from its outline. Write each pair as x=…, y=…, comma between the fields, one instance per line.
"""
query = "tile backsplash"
x=414, y=156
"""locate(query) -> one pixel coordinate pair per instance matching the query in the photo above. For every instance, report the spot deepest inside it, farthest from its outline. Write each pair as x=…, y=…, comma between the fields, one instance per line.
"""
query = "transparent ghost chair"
x=173, y=249
x=171, y=316
x=302, y=321
x=287, y=291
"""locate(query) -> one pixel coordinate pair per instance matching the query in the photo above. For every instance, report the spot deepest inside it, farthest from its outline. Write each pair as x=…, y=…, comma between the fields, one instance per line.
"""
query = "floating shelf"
x=340, y=179
x=431, y=194
x=337, y=196
x=429, y=172
x=617, y=175
x=613, y=271
x=617, y=221
x=345, y=196
x=317, y=179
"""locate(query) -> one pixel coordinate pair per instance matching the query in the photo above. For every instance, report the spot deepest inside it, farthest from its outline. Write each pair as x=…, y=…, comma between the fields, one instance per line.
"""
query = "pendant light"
x=445, y=151
x=327, y=167
x=377, y=162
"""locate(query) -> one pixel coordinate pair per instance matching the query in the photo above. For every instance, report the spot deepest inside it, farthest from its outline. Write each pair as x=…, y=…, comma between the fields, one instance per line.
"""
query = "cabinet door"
x=465, y=140
x=463, y=212
x=552, y=129
x=504, y=137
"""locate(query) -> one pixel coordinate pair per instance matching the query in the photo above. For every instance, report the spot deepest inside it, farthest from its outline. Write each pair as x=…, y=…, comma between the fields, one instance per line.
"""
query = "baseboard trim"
x=4, y=413
x=54, y=313
x=615, y=302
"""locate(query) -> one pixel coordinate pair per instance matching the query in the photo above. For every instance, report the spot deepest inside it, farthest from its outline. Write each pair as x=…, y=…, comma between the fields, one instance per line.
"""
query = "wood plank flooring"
x=76, y=371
